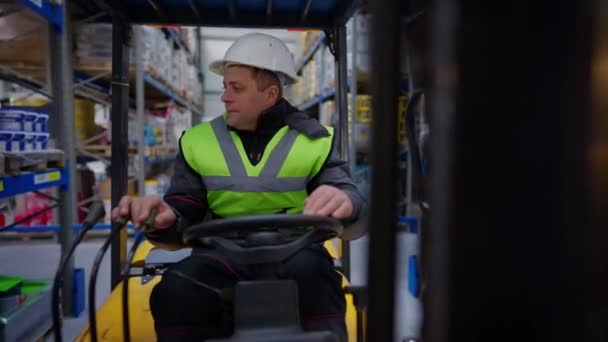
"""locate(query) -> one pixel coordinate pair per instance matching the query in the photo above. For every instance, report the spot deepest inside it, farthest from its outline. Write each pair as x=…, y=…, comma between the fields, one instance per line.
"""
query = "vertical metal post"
x=60, y=45
x=140, y=107
x=596, y=298
x=196, y=118
x=3, y=90
x=342, y=108
x=342, y=90
x=352, y=157
x=120, y=141
x=435, y=246
x=409, y=171
x=384, y=44
x=516, y=245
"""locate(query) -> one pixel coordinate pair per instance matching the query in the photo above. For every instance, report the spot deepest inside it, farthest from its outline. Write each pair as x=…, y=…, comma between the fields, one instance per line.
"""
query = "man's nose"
x=226, y=97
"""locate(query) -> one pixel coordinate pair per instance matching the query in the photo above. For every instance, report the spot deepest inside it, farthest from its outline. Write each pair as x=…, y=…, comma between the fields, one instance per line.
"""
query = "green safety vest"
x=235, y=187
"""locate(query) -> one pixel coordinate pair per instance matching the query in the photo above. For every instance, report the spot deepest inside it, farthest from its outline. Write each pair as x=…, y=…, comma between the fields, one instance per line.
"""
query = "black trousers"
x=186, y=311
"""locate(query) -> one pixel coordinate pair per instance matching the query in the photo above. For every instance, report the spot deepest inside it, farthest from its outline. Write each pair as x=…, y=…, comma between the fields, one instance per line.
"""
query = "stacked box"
x=178, y=62
x=329, y=65
x=194, y=89
x=188, y=36
x=179, y=120
x=359, y=59
x=307, y=39
x=151, y=42
x=94, y=42
x=23, y=129
x=309, y=75
x=164, y=61
x=319, y=71
x=327, y=113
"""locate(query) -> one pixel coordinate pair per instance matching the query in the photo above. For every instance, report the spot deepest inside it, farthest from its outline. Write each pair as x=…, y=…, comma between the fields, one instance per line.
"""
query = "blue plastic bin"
x=13, y=142
x=42, y=141
x=30, y=142
x=40, y=125
x=29, y=119
x=11, y=120
x=5, y=141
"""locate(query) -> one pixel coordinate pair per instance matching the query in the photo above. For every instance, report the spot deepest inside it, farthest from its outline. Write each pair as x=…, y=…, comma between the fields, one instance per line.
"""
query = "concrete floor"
x=38, y=259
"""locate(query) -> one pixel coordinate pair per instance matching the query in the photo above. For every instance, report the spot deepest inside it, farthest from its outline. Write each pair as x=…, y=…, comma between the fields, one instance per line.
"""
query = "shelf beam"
x=324, y=96
x=32, y=181
x=50, y=12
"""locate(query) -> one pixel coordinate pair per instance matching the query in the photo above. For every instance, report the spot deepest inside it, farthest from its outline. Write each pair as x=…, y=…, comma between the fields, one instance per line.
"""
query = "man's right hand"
x=138, y=209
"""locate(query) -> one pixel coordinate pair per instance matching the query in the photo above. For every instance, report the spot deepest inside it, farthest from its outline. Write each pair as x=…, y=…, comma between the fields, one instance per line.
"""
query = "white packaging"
x=362, y=61
x=319, y=71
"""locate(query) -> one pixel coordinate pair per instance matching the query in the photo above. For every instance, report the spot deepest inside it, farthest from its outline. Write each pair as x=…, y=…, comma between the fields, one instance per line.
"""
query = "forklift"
x=515, y=245
x=126, y=316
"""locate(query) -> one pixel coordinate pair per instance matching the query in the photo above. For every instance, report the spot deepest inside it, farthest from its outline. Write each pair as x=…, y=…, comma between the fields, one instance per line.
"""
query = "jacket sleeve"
x=336, y=172
x=187, y=196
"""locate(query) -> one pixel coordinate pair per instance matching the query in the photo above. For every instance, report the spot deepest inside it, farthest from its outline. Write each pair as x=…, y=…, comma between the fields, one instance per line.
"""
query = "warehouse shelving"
x=31, y=319
x=71, y=80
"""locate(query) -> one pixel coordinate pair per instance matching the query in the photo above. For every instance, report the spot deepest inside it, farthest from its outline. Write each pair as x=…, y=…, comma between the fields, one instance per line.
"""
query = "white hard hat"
x=261, y=51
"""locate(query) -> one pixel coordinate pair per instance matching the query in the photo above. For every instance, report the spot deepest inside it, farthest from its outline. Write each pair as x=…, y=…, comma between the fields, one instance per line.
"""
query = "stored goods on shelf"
x=23, y=119
x=28, y=204
x=329, y=65
x=23, y=129
x=307, y=40
x=84, y=116
x=170, y=66
x=327, y=113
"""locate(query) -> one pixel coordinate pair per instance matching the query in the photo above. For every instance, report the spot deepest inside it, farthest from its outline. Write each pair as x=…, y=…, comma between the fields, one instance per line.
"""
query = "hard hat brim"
x=218, y=67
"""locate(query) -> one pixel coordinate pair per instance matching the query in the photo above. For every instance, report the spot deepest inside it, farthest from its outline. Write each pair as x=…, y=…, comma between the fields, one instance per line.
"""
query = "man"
x=262, y=157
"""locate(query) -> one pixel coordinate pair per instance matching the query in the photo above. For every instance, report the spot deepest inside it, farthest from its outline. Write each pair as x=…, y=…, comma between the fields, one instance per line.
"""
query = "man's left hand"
x=328, y=200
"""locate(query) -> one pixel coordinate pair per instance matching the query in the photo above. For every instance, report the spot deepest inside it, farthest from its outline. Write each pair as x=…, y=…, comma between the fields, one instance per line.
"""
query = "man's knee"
x=309, y=264
x=175, y=297
x=186, y=290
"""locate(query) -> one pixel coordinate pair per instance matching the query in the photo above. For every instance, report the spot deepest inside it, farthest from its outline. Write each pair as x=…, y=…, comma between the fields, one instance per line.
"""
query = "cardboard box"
x=105, y=188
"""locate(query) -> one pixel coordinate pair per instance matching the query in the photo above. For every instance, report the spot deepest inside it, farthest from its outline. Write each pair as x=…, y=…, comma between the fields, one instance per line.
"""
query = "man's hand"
x=138, y=210
x=327, y=200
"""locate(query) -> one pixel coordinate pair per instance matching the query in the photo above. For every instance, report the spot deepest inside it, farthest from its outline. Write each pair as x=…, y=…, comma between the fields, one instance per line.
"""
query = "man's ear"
x=272, y=94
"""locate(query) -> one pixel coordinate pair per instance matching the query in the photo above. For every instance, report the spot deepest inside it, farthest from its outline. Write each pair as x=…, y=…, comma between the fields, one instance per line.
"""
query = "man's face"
x=243, y=101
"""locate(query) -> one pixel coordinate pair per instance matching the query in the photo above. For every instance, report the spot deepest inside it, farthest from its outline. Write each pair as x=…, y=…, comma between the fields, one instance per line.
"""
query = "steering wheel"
x=262, y=238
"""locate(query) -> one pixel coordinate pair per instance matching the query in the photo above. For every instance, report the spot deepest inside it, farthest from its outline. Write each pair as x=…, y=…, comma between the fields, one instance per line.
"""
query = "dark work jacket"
x=187, y=194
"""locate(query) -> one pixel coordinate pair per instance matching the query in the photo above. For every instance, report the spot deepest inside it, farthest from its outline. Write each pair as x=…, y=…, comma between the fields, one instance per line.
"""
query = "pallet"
x=162, y=151
x=104, y=150
x=14, y=164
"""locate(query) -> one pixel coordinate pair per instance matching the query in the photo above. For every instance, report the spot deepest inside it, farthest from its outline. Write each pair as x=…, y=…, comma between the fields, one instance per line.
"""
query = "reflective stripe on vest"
x=235, y=187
